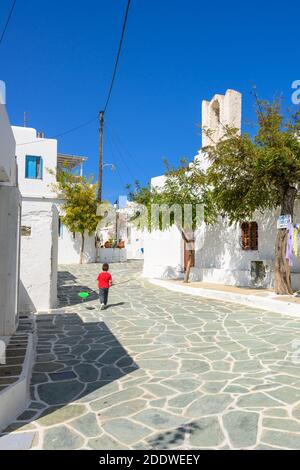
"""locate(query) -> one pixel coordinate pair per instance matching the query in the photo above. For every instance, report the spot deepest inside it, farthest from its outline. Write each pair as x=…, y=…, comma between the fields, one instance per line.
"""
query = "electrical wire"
x=8, y=21
x=73, y=129
x=80, y=126
x=122, y=181
x=118, y=57
x=123, y=160
x=122, y=146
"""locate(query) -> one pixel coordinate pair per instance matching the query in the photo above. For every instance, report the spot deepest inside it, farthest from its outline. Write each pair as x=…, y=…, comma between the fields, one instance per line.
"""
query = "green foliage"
x=183, y=186
x=79, y=202
x=259, y=173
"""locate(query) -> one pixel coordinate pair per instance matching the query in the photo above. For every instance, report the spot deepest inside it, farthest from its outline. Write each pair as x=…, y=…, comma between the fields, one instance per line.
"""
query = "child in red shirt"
x=104, y=284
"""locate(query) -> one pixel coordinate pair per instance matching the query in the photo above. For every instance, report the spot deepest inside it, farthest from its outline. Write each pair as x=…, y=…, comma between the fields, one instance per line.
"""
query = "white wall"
x=10, y=212
x=135, y=244
x=39, y=252
x=7, y=149
x=54, y=256
x=163, y=257
x=112, y=255
x=28, y=144
x=221, y=258
x=38, y=256
x=69, y=248
x=158, y=181
x=133, y=238
x=10, y=207
x=163, y=251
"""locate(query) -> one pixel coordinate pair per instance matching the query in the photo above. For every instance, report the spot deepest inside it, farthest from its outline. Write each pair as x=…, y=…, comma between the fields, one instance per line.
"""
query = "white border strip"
x=270, y=304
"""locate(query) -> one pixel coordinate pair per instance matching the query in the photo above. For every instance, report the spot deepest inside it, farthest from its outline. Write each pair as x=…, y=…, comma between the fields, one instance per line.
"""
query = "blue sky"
x=57, y=59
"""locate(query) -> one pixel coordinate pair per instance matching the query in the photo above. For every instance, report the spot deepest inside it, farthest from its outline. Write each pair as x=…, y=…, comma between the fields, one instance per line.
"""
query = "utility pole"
x=101, y=118
x=25, y=119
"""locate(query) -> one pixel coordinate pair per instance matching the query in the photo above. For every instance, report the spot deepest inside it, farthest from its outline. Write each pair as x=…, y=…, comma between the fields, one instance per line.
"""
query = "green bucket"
x=84, y=295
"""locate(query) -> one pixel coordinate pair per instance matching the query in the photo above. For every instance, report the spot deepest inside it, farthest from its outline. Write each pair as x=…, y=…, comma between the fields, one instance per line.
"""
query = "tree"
x=183, y=201
x=263, y=172
x=79, y=204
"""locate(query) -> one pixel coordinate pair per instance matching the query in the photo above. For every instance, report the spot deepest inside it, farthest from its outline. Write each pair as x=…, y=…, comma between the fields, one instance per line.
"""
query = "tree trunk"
x=188, y=268
x=82, y=248
x=283, y=285
x=283, y=281
x=190, y=241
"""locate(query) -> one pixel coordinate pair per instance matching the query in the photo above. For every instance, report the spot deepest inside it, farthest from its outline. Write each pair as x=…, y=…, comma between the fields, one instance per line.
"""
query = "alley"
x=160, y=370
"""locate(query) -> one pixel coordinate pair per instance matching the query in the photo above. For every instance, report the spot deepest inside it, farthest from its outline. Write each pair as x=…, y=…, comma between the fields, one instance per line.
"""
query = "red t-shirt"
x=104, y=279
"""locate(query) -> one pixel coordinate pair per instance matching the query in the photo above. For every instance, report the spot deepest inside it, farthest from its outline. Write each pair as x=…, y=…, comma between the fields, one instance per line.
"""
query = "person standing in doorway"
x=104, y=284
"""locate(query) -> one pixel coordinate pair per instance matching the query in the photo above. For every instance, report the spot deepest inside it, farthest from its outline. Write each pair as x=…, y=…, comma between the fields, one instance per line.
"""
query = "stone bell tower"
x=221, y=111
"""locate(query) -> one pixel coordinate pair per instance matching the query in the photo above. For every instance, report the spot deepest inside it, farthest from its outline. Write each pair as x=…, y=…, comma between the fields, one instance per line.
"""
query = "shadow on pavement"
x=175, y=437
x=68, y=290
x=74, y=359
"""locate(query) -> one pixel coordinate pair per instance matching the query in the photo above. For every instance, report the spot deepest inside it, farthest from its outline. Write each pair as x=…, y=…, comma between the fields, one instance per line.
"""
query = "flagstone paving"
x=160, y=370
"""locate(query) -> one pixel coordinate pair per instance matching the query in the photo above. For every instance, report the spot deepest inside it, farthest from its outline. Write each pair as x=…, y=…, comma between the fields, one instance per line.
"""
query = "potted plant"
x=121, y=244
x=109, y=243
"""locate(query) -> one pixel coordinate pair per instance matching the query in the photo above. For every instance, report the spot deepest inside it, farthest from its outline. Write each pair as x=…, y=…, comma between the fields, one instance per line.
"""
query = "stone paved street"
x=160, y=370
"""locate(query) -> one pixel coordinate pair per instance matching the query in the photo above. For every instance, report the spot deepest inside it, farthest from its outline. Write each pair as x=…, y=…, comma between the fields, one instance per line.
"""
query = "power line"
x=123, y=160
x=130, y=155
x=118, y=57
x=123, y=182
x=73, y=129
x=80, y=126
x=8, y=20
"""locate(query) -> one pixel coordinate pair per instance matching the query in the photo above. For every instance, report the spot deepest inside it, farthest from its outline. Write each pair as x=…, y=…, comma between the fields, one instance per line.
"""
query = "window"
x=33, y=167
x=249, y=236
x=60, y=228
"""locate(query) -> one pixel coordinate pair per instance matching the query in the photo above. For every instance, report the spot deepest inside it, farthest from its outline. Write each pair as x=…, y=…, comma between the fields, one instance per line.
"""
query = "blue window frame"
x=34, y=167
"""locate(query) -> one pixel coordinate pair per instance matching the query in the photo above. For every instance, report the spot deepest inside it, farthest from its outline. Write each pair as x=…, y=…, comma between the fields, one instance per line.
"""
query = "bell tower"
x=221, y=111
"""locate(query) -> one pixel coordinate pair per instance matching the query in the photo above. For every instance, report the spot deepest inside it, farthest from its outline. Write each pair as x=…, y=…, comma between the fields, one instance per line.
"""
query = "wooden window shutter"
x=245, y=236
x=253, y=236
x=249, y=235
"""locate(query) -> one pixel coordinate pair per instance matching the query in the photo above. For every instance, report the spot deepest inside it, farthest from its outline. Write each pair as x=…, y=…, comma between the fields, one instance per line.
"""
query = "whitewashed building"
x=241, y=254
x=39, y=227
x=69, y=244
x=10, y=216
x=45, y=242
x=120, y=229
